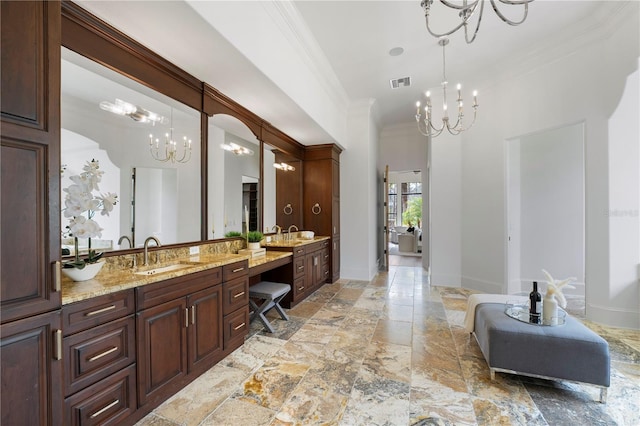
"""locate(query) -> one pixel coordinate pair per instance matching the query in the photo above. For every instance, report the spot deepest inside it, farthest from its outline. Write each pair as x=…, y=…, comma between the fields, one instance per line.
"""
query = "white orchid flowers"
x=554, y=288
x=79, y=199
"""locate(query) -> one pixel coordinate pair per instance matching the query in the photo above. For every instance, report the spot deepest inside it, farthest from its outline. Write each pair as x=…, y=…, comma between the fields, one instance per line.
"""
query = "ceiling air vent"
x=397, y=83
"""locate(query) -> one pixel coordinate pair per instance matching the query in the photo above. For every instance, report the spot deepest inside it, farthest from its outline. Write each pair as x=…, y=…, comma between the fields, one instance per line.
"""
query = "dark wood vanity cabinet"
x=30, y=336
x=307, y=272
x=179, y=332
x=321, y=184
x=32, y=371
x=99, y=352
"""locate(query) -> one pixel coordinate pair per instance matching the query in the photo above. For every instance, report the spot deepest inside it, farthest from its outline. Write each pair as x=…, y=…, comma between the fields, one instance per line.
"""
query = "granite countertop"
x=123, y=279
x=294, y=243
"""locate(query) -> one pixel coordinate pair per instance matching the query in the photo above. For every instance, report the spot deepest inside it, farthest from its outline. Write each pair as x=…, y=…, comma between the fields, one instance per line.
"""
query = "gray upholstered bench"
x=270, y=294
x=567, y=352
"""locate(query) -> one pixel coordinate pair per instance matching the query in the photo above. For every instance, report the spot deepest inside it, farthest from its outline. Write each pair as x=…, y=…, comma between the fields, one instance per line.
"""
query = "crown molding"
x=288, y=20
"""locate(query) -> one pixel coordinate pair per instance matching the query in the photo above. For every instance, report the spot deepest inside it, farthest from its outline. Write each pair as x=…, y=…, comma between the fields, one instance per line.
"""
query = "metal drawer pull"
x=326, y=256
x=193, y=314
x=239, y=294
x=239, y=327
x=105, y=353
x=239, y=269
x=300, y=268
x=186, y=317
x=56, y=276
x=57, y=335
x=301, y=288
x=316, y=209
x=102, y=410
x=99, y=311
x=287, y=209
x=326, y=272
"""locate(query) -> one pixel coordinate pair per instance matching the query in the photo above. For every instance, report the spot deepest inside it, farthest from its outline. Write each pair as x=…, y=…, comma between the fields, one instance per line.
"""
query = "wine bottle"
x=535, y=304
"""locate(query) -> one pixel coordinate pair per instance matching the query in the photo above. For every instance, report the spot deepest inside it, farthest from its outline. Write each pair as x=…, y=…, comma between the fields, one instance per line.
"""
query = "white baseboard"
x=613, y=317
x=481, y=285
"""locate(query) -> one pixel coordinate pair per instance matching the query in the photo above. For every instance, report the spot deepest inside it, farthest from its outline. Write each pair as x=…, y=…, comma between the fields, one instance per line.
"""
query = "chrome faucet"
x=123, y=238
x=146, y=249
x=289, y=231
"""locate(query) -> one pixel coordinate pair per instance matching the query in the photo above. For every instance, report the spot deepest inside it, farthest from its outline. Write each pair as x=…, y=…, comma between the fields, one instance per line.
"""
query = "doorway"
x=403, y=217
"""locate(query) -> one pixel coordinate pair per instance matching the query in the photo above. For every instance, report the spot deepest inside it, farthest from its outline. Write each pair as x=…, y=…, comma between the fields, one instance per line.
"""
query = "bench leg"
x=492, y=373
x=603, y=395
x=278, y=308
x=258, y=312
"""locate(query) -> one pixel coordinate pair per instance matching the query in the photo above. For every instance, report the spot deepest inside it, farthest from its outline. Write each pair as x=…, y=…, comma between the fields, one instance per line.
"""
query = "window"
x=393, y=204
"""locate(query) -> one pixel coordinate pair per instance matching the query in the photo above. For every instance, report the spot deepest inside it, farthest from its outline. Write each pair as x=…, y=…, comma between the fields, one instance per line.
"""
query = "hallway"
x=391, y=351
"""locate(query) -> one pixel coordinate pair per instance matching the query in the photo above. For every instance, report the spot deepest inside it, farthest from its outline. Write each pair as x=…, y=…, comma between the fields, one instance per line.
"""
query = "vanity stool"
x=271, y=294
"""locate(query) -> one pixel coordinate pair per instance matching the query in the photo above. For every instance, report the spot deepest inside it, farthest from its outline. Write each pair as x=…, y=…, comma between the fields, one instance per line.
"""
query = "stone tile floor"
x=391, y=351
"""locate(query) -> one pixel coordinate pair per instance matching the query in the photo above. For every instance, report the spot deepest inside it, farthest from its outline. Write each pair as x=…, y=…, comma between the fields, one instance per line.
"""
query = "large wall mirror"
x=111, y=118
x=234, y=177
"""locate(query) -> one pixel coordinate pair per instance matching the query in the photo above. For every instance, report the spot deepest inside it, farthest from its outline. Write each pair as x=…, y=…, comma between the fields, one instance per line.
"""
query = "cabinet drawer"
x=235, y=294
x=299, y=288
x=236, y=326
x=325, y=256
x=324, y=244
x=325, y=273
x=299, y=251
x=88, y=313
x=235, y=270
x=94, y=354
x=107, y=402
x=175, y=288
x=298, y=267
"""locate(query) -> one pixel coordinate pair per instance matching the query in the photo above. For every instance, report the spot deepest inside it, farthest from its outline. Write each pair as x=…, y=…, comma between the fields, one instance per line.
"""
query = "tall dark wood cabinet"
x=30, y=334
x=321, y=199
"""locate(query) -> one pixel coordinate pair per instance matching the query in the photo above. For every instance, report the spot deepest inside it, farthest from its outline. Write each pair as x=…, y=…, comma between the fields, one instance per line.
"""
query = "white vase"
x=253, y=246
x=550, y=311
x=88, y=272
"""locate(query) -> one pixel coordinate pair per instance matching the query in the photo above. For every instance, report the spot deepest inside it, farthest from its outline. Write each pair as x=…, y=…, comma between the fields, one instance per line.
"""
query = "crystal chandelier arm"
x=511, y=2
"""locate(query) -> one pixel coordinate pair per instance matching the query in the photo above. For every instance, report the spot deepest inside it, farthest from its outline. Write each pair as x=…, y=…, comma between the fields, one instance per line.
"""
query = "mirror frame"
x=89, y=36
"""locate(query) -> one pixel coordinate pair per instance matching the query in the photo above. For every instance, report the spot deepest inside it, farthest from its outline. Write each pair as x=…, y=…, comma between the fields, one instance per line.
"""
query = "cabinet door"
x=205, y=329
x=30, y=157
x=31, y=392
x=162, y=349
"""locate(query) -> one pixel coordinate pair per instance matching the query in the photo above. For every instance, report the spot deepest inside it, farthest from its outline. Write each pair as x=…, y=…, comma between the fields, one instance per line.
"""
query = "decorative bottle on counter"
x=535, y=304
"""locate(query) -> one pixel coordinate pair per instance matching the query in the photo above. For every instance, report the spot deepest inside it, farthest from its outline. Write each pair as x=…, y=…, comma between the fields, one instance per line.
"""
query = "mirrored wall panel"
x=147, y=146
x=234, y=177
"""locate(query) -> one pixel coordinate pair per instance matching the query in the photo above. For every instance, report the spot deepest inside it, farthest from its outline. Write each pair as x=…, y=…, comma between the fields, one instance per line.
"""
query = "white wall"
x=624, y=198
x=446, y=211
x=583, y=85
x=548, y=224
x=358, y=195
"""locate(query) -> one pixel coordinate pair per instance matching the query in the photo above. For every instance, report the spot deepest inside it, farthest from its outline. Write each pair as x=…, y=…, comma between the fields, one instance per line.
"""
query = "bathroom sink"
x=169, y=268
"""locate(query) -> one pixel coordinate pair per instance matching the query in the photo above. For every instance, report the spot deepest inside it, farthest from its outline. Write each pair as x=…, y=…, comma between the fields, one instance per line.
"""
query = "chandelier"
x=426, y=126
x=468, y=9
x=170, y=147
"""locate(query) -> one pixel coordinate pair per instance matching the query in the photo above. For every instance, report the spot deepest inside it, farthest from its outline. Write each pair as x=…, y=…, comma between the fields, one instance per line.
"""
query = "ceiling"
x=355, y=38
